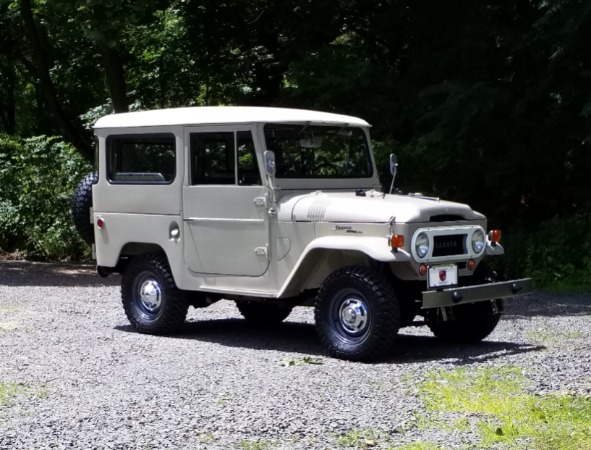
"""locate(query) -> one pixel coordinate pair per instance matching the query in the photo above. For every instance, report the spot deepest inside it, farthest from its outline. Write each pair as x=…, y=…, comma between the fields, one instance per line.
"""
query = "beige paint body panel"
x=225, y=232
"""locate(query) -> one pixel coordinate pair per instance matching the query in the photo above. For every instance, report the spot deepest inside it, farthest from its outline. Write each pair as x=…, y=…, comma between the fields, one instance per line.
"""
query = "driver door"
x=225, y=220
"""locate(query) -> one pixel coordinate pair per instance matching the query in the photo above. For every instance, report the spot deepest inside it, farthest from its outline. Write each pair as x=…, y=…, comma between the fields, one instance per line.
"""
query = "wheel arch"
x=129, y=251
x=137, y=248
x=325, y=255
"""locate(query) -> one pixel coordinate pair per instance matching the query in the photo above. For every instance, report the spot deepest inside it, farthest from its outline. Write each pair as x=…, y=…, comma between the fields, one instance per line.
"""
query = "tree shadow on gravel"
x=24, y=273
x=294, y=337
x=411, y=349
x=548, y=305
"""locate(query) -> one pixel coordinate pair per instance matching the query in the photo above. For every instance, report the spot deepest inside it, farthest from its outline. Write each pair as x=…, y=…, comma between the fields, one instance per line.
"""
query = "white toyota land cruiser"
x=274, y=208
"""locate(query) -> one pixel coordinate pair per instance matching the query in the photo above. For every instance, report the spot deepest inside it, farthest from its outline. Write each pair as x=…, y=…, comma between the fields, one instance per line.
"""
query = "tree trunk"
x=115, y=75
x=50, y=97
x=8, y=103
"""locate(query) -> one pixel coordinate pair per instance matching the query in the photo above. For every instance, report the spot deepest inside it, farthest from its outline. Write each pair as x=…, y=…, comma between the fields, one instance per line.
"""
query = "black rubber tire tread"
x=175, y=303
x=81, y=204
x=384, y=314
x=261, y=313
x=475, y=321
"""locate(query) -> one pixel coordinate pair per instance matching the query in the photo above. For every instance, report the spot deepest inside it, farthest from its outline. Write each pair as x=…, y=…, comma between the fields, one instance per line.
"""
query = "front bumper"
x=479, y=293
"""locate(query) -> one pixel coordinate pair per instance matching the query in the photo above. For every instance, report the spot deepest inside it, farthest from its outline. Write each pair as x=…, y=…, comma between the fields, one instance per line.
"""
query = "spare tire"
x=81, y=204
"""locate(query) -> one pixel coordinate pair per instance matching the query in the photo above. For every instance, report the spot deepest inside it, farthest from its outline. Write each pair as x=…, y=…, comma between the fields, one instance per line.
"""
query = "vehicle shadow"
x=301, y=338
x=411, y=349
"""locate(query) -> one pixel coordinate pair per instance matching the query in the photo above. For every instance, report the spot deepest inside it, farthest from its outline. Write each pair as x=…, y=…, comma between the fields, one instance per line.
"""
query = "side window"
x=144, y=159
x=248, y=168
x=213, y=158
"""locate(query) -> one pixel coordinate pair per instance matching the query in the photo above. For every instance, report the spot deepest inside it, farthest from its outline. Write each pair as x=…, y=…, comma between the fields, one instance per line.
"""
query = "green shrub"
x=555, y=253
x=37, y=178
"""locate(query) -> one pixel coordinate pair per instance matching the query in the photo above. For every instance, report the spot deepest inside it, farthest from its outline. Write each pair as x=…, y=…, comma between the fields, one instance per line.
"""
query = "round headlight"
x=422, y=245
x=478, y=241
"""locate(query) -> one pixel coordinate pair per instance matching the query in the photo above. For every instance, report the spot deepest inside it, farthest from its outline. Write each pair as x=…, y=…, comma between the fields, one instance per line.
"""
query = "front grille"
x=449, y=245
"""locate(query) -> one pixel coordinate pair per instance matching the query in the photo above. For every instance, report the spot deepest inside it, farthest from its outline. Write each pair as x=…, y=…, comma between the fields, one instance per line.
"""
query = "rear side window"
x=141, y=159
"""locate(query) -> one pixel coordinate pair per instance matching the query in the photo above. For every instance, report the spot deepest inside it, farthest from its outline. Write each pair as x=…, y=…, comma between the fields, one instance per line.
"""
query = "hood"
x=375, y=207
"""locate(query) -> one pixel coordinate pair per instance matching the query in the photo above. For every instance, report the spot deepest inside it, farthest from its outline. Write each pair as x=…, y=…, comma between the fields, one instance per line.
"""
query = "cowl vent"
x=446, y=218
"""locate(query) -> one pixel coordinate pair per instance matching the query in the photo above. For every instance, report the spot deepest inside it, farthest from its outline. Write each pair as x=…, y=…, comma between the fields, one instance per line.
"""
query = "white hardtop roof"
x=218, y=115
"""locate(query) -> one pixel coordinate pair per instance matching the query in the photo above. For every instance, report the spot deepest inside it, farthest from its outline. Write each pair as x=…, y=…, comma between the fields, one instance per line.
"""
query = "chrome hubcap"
x=353, y=315
x=151, y=295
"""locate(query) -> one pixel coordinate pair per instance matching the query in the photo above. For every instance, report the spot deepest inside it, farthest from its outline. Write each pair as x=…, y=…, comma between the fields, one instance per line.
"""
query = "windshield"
x=315, y=151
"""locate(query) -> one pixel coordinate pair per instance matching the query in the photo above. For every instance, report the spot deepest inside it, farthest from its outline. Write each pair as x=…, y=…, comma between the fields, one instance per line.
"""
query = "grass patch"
x=8, y=391
x=496, y=402
x=363, y=438
x=420, y=446
x=368, y=439
x=555, y=338
x=207, y=437
x=255, y=445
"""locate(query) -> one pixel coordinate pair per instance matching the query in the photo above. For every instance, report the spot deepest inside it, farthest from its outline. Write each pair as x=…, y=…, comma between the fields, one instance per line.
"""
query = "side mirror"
x=269, y=161
x=393, y=164
x=393, y=169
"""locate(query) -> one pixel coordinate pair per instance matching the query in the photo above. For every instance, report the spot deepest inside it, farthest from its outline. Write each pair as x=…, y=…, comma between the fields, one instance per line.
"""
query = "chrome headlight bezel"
x=422, y=245
x=478, y=241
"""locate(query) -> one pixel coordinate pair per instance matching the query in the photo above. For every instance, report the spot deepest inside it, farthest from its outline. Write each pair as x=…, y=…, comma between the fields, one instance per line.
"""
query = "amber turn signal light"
x=471, y=264
x=494, y=236
x=397, y=241
x=423, y=269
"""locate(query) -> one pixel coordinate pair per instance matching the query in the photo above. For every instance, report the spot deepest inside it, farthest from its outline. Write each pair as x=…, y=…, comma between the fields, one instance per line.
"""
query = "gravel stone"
x=86, y=380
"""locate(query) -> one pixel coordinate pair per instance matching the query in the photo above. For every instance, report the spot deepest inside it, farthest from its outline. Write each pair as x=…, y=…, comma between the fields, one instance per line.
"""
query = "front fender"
x=375, y=247
x=346, y=250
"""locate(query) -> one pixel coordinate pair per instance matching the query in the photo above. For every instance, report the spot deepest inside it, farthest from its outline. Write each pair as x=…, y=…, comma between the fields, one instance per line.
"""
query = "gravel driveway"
x=73, y=374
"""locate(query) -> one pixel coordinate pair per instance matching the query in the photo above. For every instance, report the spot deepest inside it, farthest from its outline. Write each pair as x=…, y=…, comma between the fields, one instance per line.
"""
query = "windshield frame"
x=368, y=182
x=314, y=151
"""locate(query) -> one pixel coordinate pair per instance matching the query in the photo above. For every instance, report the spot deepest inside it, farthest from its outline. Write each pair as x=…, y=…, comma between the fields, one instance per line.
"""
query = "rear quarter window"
x=141, y=159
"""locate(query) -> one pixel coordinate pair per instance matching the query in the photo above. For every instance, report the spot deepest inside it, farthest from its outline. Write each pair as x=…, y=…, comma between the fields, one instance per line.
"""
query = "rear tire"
x=357, y=314
x=262, y=313
x=152, y=302
x=81, y=205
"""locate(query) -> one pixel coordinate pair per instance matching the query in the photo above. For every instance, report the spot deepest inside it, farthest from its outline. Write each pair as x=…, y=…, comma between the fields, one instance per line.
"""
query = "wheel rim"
x=351, y=315
x=149, y=296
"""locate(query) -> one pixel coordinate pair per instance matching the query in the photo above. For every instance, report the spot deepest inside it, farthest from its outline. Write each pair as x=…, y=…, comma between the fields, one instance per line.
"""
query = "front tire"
x=473, y=322
x=152, y=302
x=470, y=324
x=357, y=314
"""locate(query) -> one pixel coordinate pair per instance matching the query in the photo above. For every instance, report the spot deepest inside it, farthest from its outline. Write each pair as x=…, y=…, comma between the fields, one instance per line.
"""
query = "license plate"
x=440, y=276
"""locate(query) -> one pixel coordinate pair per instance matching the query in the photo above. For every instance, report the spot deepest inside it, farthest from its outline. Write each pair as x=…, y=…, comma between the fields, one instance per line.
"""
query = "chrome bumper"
x=471, y=294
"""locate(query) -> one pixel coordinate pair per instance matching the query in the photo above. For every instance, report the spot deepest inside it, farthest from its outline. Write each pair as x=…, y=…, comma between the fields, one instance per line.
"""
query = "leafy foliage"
x=487, y=103
x=556, y=253
x=38, y=176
